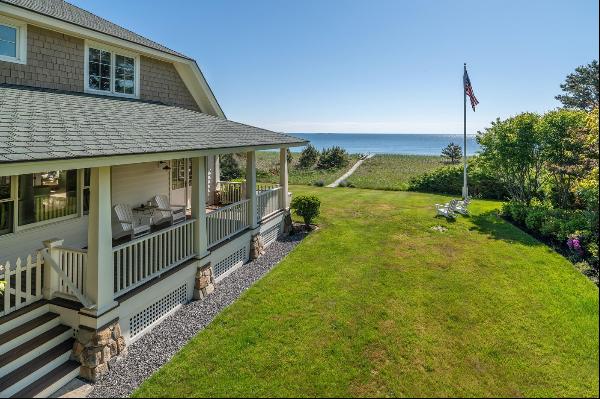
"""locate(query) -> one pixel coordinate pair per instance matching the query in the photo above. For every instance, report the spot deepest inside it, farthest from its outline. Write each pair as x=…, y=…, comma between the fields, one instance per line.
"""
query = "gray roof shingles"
x=39, y=124
x=67, y=12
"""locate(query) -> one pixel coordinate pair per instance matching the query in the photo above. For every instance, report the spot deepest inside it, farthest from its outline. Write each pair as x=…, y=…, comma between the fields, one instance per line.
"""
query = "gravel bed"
x=157, y=347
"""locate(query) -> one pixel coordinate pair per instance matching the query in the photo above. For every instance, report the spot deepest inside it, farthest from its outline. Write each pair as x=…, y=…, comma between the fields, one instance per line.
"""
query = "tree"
x=563, y=152
x=229, y=167
x=333, y=158
x=452, y=152
x=581, y=88
x=288, y=156
x=511, y=150
x=308, y=157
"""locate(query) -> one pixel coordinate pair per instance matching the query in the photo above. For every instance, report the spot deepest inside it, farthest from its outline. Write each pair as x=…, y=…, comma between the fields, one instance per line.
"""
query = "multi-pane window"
x=46, y=196
x=13, y=40
x=6, y=206
x=109, y=72
x=8, y=41
x=86, y=190
x=177, y=174
x=99, y=69
x=124, y=74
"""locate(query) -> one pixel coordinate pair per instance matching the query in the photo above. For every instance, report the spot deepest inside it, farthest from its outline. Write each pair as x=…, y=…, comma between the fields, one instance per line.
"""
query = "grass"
x=267, y=163
x=393, y=172
x=376, y=303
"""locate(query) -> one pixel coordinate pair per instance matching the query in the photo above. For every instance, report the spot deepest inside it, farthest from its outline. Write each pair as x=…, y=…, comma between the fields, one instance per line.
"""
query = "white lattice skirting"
x=155, y=312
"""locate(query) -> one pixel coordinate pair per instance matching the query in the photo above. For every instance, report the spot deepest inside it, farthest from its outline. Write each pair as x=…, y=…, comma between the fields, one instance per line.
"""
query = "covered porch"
x=105, y=266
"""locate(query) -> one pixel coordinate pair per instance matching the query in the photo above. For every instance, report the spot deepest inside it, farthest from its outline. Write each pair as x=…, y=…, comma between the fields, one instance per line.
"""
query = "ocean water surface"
x=413, y=144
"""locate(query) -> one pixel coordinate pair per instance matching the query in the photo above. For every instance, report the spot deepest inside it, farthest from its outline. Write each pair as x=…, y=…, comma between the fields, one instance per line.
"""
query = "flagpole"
x=465, y=190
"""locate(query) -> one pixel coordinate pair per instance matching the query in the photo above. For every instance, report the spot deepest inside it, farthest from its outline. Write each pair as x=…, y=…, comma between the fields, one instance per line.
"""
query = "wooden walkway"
x=350, y=171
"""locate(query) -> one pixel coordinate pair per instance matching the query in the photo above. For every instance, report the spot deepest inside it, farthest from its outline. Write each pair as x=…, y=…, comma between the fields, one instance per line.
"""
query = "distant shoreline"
x=389, y=143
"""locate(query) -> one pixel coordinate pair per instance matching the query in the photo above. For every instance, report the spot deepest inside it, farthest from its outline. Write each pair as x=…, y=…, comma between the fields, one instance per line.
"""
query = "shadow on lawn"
x=492, y=224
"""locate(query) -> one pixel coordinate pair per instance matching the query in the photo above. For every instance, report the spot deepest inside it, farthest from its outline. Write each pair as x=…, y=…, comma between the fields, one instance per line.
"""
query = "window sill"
x=111, y=94
x=13, y=60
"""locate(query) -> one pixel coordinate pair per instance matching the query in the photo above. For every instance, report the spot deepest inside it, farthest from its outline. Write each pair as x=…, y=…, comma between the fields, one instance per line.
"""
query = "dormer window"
x=110, y=71
x=13, y=40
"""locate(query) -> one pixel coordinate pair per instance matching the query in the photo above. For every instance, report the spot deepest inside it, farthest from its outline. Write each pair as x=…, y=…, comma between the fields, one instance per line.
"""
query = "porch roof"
x=39, y=125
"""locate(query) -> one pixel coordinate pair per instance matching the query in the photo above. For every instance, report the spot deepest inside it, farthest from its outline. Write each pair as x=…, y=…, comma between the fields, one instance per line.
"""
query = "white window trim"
x=21, y=28
x=32, y=226
x=113, y=52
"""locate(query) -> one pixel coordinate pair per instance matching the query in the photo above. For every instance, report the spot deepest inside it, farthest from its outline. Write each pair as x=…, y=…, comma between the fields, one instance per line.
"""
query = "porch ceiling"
x=42, y=125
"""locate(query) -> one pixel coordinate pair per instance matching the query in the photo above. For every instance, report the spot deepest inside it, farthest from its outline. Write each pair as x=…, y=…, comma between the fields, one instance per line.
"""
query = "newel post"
x=50, y=275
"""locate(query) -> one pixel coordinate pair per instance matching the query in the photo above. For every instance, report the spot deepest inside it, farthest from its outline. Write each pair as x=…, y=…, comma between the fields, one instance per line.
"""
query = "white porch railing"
x=72, y=262
x=146, y=257
x=22, y=283
x=260, y=187
x=231, y=191
x=268, y=202
x=225, y=222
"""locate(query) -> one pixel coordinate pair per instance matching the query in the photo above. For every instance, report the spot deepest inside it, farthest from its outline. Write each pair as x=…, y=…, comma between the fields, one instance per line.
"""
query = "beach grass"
x=385, y=300
x=267, y=164
x=393, y=171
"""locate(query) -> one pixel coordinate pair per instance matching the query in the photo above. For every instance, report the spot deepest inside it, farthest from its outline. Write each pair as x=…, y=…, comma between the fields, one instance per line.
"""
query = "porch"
x=98, y=274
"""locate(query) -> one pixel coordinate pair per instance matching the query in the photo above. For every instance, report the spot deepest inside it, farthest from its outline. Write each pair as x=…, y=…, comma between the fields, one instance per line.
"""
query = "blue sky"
x=371, y=66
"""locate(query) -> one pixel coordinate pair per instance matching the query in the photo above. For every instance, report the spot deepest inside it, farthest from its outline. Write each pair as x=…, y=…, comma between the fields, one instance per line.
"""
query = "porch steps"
x=21, y=334
x=23, y=315
x=35, y=354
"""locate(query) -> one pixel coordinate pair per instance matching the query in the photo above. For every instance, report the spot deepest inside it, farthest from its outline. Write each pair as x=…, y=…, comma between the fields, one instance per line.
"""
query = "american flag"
x=469, y=90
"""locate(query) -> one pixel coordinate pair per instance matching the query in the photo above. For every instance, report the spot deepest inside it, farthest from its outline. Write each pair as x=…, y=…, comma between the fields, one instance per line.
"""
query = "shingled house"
x=112, y=213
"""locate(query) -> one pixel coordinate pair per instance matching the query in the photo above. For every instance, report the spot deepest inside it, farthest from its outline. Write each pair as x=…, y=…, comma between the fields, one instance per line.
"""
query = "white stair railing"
x=225, y=222
x=146, y=257
x=268, y=202
x=21, y=283
x=73, y=264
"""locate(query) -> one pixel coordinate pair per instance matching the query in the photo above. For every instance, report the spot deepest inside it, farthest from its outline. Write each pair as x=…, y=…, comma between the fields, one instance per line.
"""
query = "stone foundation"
x=205, y=283
x=98, y=350
x=257, y=247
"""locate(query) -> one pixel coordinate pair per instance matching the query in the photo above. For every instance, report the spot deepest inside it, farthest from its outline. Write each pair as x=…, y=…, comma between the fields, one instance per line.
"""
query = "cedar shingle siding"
x=56, y=61
x=160, y=81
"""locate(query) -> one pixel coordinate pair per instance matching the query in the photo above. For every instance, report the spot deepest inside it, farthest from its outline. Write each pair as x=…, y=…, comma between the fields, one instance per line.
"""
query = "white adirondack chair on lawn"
x=444, y=210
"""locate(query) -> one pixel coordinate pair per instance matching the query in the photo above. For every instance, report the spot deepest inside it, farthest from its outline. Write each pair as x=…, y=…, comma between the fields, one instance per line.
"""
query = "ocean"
x=413, y=144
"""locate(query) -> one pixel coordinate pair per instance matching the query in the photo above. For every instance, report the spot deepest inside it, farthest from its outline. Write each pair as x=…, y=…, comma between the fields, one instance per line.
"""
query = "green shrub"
x=307, y=207
x=345, y=183
x=449, y=180
x=319, y=183
x=333, y=158
x=308, y=157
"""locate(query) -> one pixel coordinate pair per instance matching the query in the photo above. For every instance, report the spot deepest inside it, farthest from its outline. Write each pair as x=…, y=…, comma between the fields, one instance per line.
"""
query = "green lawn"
x=268, y=161
x=393, y=172
x=376, y=303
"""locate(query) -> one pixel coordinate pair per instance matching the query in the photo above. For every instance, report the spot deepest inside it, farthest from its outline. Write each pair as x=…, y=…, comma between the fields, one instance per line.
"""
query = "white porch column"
x=199, y=206
x=99, y=280
x=251, y=188
x=283, y=178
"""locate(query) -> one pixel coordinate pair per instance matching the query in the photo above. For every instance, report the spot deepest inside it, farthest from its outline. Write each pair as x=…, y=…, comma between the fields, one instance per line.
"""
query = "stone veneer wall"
x=54, y=61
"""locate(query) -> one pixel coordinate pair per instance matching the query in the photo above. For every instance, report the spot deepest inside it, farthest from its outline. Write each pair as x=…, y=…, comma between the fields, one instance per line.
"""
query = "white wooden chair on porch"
x=126, y=222
x=166, y=212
